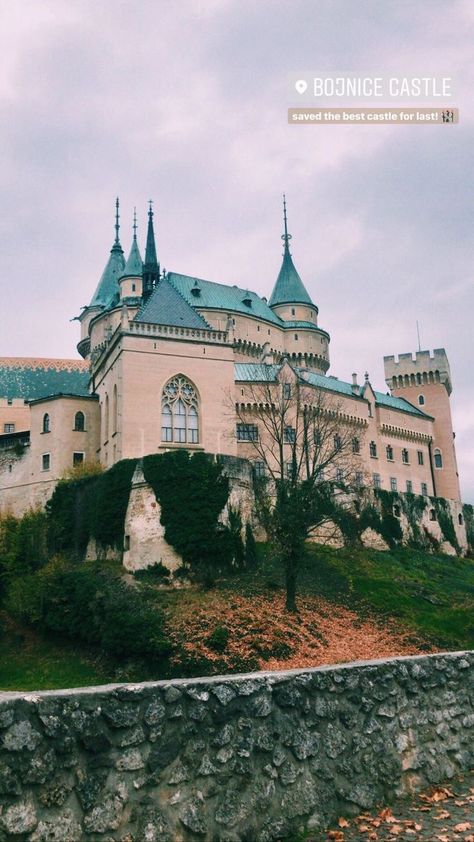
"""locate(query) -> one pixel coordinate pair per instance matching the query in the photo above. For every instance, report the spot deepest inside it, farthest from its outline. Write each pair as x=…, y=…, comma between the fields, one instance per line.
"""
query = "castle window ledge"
x=180, y=446
x=45, y=432
x=373, y=457
x=113, y=434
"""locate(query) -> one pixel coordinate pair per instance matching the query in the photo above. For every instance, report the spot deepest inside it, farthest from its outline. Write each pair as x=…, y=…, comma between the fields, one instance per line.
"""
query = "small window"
x=133, y=287
x=46, y=462
x=287, y=390
x=289, y=470
x=46, y=424
x=424, y=489
x=359, y=479
x=318, y=440
x=376, y=480
x=258, y=328
x=247, y=432
x=259, y=468
x=293, y=311
x=8, y=428
x=355, y=445
x=460, y=520
x=421, y=458
x=289, y=435
x=421, y=400
x=389, y=451
x=79, y=422
x=337, y=443
x=405, y=456
x=438, y=459
x=77, y=458
x=373, y=450
x=393, y=484
x=126, y=542
x=339, y=475
x=9, y=401
x=433, y=515
x=397, y=511
x=296, y=337
x=409, y=486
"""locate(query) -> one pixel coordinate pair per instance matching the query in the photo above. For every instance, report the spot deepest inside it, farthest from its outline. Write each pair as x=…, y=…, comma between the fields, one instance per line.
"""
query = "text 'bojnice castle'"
x=161, y=354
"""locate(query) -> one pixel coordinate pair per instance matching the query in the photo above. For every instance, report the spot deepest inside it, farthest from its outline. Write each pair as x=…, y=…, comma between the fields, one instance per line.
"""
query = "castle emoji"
x=160, y=352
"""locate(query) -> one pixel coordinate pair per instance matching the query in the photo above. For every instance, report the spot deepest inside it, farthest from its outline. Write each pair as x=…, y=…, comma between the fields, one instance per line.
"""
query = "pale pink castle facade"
x=164, y=356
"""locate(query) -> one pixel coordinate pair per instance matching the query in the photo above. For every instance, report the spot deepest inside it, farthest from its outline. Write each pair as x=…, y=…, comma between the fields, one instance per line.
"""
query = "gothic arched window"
x=46, y=425
x=180, y=412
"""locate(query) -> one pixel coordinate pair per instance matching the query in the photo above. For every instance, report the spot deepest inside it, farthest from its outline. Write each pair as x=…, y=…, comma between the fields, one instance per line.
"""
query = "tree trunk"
x=290, y=577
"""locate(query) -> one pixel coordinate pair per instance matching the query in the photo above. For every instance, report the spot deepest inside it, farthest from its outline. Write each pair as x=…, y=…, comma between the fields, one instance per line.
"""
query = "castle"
x=161, y=354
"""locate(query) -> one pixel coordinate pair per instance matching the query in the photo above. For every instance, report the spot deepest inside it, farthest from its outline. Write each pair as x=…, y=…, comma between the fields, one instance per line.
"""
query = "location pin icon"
x=301, y=86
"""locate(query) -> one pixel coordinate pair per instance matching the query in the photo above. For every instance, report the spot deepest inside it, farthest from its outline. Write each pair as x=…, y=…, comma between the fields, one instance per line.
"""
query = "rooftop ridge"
x=45, y=363
x=190, y=305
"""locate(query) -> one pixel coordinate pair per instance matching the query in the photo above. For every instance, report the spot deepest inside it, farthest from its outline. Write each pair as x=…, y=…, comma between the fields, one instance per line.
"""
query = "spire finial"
x=135, y=224
x=117, y=222
x=286, y=237
x=150, y=208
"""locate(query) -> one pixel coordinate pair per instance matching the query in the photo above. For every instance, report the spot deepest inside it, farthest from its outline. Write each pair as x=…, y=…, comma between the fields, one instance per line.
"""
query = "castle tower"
x=151, y=268
x=132, y=276
x=425, y=381
x=291, y=301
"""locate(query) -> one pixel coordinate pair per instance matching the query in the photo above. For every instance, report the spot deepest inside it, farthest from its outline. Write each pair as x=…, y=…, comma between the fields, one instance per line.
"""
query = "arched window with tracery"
x=180, y=412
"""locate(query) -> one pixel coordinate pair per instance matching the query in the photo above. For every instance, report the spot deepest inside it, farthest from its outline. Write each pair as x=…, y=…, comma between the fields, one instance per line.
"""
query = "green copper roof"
x=166, y=306
x=255, y=372
x=289, y=288
x=260, y=372
x=211, y=296
x=108, y=288
x=134, y=265
x=29, y=380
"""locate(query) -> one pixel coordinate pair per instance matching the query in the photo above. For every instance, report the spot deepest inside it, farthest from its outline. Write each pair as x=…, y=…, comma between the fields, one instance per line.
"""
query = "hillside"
x=353, y=605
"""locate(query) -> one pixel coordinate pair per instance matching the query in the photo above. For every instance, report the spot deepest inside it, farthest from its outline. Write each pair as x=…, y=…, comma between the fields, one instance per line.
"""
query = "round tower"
x=290, y=301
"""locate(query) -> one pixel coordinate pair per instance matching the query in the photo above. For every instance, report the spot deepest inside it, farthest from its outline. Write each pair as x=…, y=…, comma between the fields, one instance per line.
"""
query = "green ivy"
x=468, y=515
x=192, y=493
x=90, y=507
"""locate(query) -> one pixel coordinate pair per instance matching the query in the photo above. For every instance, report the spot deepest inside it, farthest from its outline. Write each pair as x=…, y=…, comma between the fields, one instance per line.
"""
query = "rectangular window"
x=355, y=445
x=287, y=391
x=77, y=458
x=8, y=428
x=424, y=489
x=393, y=484
x=409, y=486
x=421, y=460
x=46, y=461
x=389, y=453
x=259, y=468
x=289, y=435
x=376, y=480
x=166, y=434
x=405, y=456
x=359, y=479
x=247, y=432
x=193, y=436
x=373, y=450
x=339, y=475
x=289, y=470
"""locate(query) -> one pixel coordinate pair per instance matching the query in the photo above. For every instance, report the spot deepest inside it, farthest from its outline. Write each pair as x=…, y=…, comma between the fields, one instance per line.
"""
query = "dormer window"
x=247, y=300
x=196, y=290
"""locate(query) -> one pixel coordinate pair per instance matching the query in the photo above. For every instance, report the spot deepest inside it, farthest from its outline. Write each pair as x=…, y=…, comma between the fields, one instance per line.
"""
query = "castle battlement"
x=421, y=368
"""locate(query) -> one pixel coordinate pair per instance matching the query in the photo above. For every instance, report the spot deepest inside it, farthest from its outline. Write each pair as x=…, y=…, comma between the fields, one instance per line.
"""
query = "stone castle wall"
x=231, y=758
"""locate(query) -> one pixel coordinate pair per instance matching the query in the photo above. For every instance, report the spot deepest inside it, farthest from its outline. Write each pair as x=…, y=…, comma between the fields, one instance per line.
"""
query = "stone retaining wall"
x=231, y=758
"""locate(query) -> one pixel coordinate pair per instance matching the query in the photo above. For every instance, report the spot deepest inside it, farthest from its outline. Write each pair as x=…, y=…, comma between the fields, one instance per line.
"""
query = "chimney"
x=355, y=386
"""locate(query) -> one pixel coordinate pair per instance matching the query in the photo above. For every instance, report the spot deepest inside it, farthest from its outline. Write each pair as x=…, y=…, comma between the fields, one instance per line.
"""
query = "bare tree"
x=305, y=448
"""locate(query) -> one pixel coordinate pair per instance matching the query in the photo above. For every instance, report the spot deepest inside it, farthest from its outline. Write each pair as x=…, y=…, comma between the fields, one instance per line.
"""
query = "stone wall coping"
x=271, y=676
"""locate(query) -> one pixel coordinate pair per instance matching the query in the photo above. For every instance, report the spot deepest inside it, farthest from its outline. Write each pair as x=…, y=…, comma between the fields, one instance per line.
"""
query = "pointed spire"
x=134, y=265
x=289, y=288
x=286, y=237
x=107, y=291
x=151, y=269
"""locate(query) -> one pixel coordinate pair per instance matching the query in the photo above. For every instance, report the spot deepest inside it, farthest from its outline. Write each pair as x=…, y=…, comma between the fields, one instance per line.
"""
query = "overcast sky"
x=186, y=103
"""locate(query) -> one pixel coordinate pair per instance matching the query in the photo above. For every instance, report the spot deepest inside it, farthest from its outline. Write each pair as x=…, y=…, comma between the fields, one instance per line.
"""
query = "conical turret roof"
x=134, y=264
x=108, y=287
x=289, y=288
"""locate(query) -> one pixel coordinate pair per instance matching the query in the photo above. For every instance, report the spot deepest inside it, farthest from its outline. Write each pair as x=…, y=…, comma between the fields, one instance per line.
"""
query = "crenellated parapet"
x=423, y=367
